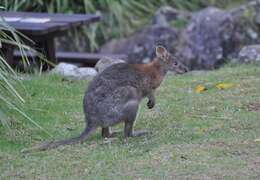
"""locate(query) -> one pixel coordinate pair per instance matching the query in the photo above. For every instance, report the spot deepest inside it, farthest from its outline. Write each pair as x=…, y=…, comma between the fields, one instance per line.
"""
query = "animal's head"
x=169, y=61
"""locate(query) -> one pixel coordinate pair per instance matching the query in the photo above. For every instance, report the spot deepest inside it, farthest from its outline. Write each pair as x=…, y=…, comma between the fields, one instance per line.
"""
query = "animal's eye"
x=175, y=63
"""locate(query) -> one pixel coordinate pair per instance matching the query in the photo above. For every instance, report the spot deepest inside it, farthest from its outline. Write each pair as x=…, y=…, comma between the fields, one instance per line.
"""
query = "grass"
x=195, y=136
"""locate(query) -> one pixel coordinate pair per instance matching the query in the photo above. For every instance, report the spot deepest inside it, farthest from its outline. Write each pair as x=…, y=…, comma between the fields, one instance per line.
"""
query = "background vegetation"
x=120, y=17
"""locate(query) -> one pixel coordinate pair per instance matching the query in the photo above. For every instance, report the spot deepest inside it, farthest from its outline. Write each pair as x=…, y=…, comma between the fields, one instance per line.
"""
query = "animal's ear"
x=161, y=52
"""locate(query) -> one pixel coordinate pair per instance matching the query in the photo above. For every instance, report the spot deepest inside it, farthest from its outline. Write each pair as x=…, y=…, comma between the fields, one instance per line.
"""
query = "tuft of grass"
x=195, y=136
x=11, y=102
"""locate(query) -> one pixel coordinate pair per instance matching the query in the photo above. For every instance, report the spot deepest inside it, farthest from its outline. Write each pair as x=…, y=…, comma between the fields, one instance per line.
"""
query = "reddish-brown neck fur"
x=153, y=70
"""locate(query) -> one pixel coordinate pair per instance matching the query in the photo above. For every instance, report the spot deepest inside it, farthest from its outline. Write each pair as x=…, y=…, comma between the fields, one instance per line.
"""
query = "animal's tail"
x=54, y=144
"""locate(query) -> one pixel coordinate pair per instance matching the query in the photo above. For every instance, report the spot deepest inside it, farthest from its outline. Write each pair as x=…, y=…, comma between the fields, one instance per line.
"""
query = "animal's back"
x=110, y=90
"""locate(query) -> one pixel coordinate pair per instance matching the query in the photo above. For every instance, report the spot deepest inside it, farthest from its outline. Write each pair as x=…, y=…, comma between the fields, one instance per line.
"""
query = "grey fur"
x=114, y=96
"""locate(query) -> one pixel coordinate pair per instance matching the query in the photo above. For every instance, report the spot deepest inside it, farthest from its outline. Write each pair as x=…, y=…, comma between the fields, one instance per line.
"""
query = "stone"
x=165, y=14
x=211, y=36
x=64, y=69
x=207, y=40
x=139, y=48
x=86, y=72
x=249, y=54
x=72, y=71
x=105, y=62
x=257, y=18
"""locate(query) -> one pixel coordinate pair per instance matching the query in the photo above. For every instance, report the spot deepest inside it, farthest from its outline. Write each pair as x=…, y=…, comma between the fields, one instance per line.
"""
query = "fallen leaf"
x=200, y=89
x=224, y=85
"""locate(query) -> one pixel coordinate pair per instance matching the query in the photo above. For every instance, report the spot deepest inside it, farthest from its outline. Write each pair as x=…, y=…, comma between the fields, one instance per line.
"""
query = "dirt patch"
x=253, y=106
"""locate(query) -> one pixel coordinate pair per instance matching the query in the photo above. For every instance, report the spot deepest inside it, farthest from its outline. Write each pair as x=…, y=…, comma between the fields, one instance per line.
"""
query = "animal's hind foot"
x=107, y=133
x=139, y=133
x=116, y=133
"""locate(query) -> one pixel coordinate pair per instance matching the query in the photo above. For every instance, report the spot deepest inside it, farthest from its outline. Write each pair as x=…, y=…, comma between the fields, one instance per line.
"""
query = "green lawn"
x=195, y=136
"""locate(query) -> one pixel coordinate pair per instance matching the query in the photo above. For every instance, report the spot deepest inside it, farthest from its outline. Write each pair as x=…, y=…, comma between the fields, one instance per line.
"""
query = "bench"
x=43, y=28
x=86, y=59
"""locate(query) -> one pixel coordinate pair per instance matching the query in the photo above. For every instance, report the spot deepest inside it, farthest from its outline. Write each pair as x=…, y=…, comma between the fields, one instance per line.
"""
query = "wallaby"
x=114, y=96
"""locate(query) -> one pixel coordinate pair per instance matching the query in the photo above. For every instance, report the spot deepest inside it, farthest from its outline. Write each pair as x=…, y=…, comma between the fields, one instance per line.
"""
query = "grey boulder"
x=207, y=39
x=249, y=54
x=72, y=71
x=139, y=48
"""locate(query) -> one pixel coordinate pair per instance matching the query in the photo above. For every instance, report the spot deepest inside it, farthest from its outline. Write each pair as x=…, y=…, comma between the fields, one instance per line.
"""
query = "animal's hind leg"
x=130, y=113
x=129, y=132
x=107, y=132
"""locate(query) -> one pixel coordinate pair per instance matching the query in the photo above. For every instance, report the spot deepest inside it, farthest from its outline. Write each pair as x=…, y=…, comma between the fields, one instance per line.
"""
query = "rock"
x=208, y=39
x=249, y=54
x=257, y=18
x=252, y=33
x=212, y=36
x=64, y=69
x=105, y=62
x=86, y=72
x=164, y=15
x=72, y=71
x=139, y=47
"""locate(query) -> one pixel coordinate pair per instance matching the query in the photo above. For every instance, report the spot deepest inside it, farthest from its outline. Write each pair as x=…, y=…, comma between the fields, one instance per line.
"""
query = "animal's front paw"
x=150, y=104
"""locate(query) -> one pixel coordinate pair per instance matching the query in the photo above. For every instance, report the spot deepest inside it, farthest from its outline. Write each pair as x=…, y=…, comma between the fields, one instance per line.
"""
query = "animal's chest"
x=155, y=79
